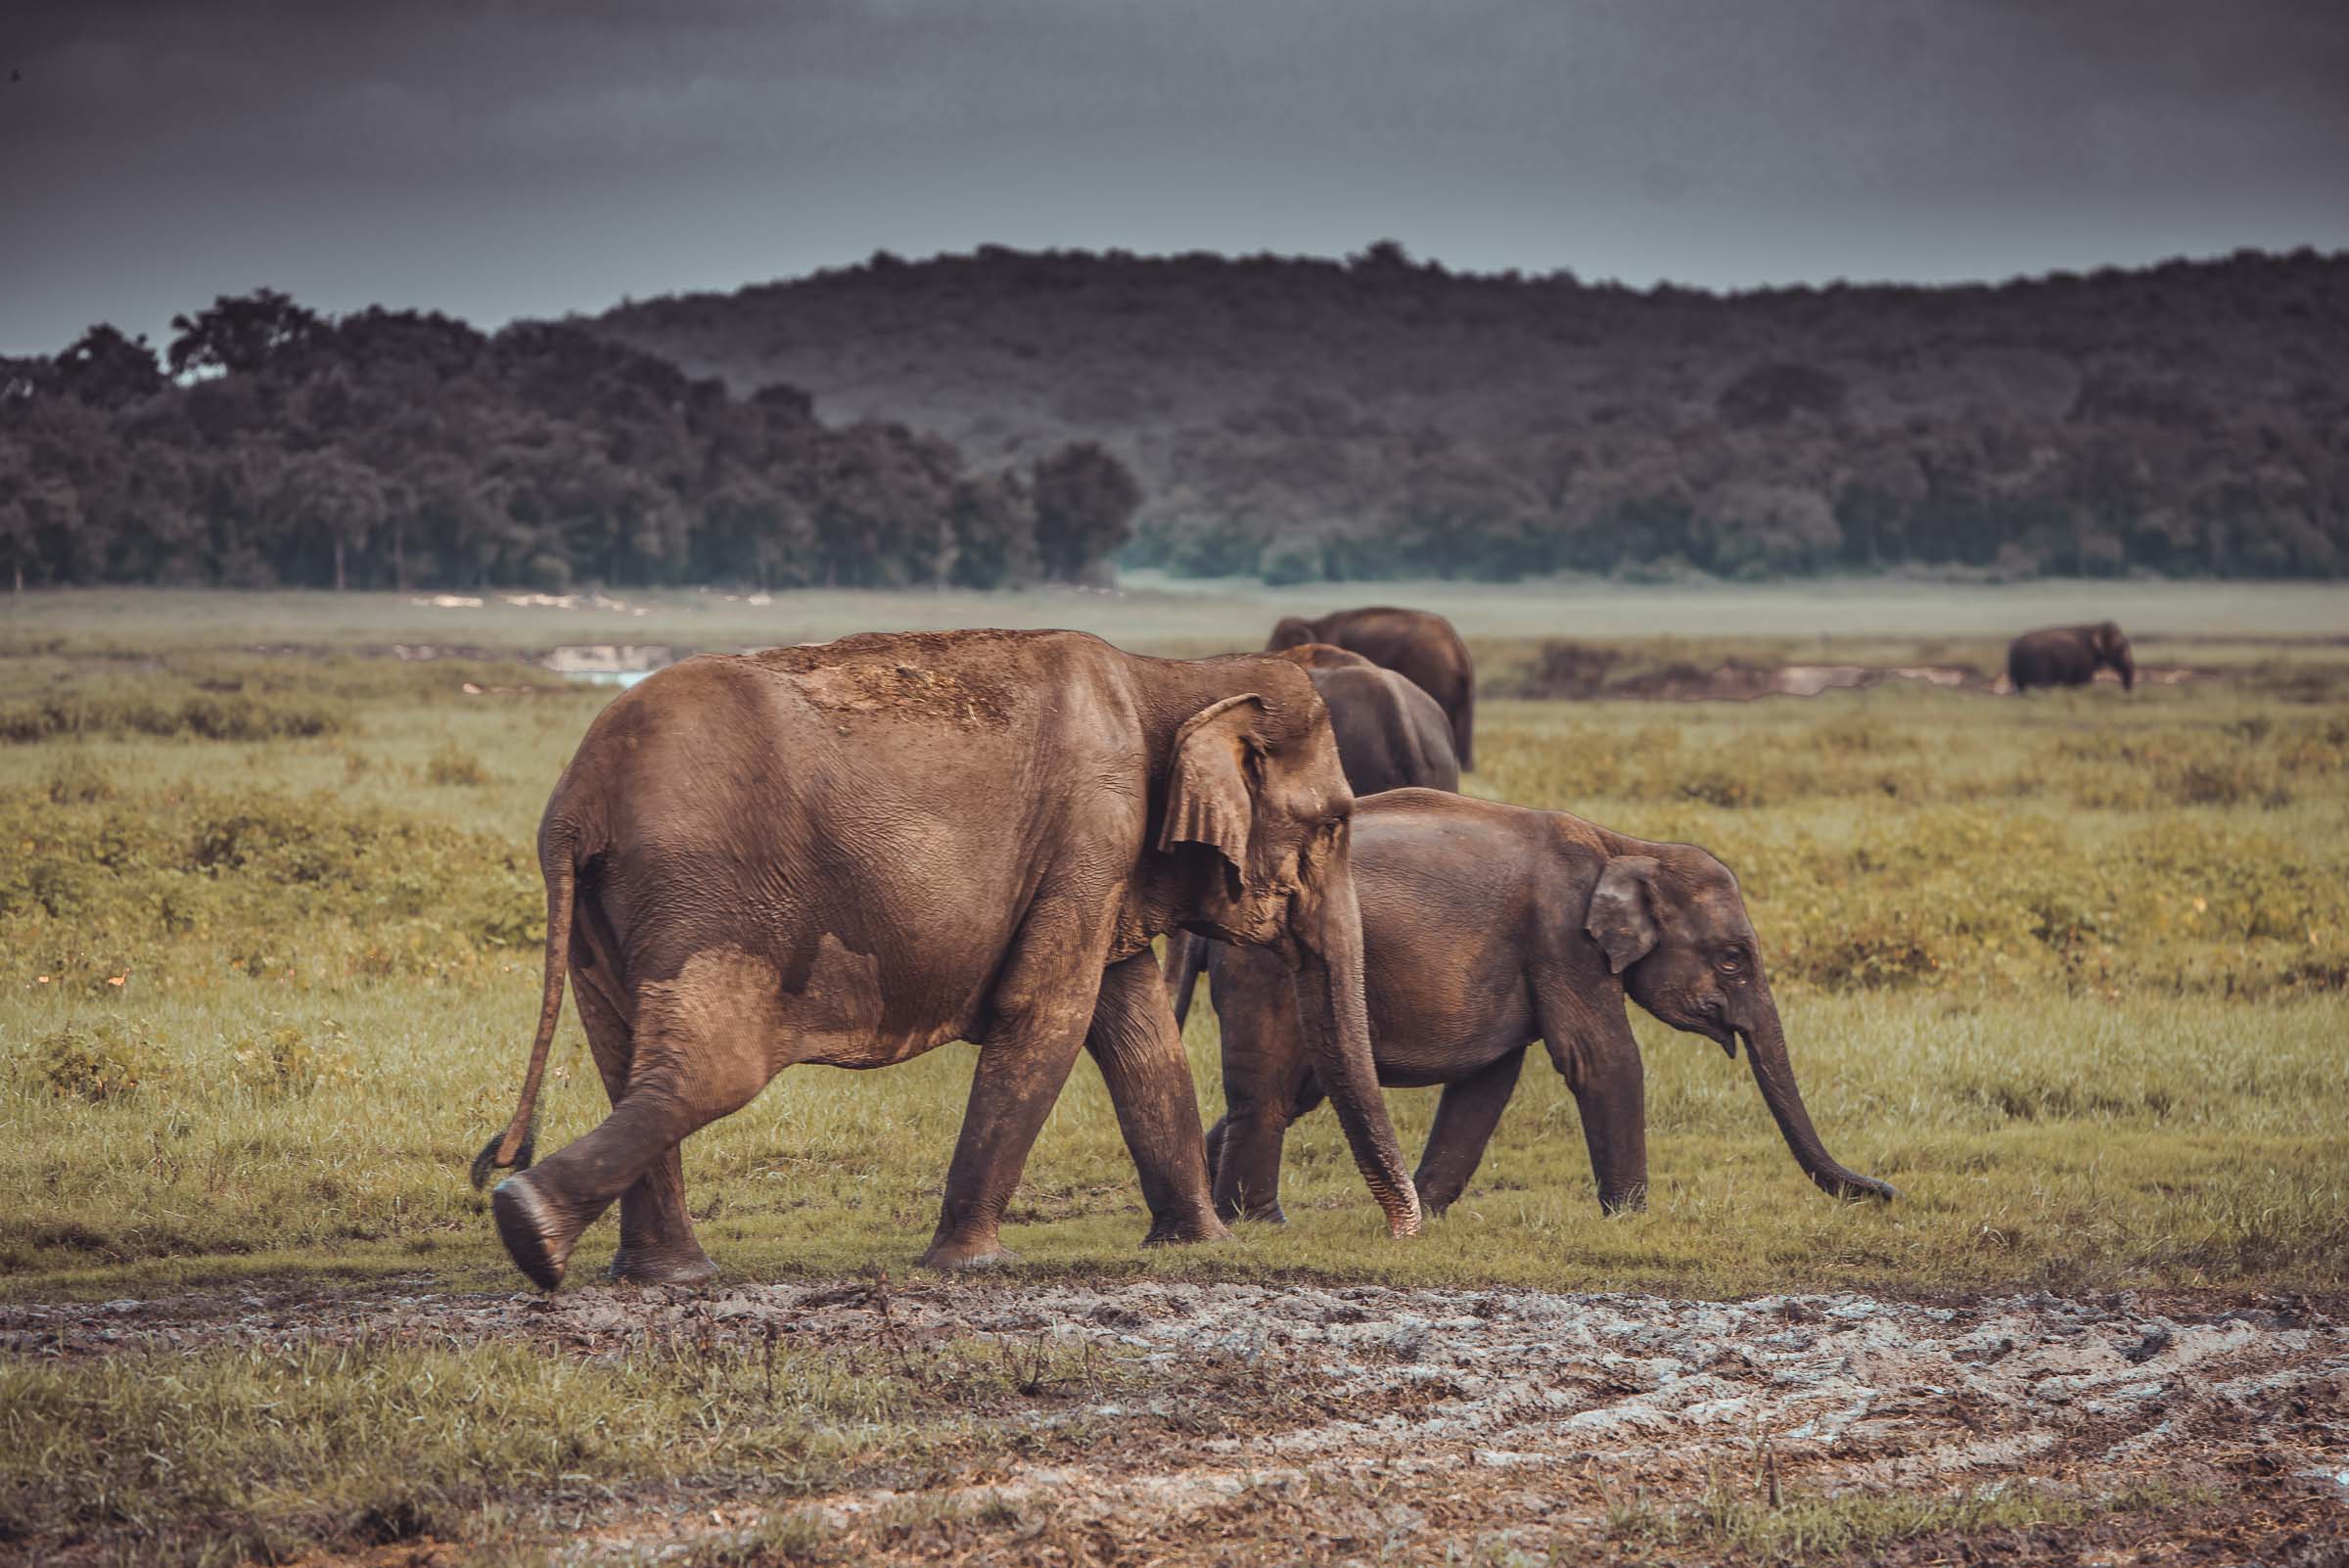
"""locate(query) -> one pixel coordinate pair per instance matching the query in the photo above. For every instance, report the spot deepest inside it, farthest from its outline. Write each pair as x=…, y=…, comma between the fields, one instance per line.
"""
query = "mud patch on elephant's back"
x=904, y=692
x=904, y=676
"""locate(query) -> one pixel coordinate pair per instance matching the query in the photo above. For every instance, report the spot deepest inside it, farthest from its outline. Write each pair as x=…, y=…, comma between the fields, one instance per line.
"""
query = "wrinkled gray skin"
x=2069, y=656
x=1484, y=928
x=854, y=852
x=1390, y=735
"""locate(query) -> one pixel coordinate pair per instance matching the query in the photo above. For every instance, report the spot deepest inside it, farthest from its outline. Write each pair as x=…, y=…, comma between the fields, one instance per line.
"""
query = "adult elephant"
x=2069, y=656
x=1390, y=735
x=1421, y=647
x=854, y=852
x=1486, y=927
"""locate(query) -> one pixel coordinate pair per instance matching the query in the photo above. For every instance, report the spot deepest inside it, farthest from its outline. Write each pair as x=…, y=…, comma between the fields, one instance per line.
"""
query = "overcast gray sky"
x=529, y=158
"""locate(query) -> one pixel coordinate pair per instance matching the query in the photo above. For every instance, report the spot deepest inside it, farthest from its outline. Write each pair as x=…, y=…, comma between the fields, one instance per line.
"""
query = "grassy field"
x=2069, y=971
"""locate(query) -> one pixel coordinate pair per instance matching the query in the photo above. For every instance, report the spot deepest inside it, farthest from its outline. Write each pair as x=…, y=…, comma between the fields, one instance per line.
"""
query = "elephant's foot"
x=534, y=1230
x=648, y=1265
x=1186, y=1231
x=1270, y=1214
x=956, y=1253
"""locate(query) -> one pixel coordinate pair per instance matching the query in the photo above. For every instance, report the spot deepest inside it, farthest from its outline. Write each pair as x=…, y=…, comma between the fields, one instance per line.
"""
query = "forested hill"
x=394, y=450
x=1304, y=418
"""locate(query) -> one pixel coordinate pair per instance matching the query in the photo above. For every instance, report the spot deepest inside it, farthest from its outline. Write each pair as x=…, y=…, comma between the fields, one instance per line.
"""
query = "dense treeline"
x=1304, y=419
x=398, y=449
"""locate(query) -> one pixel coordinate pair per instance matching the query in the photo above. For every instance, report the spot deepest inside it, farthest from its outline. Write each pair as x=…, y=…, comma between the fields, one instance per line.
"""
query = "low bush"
x=286, y=1059
x=93, y=1063
x=453, y=765
x=192, y=715
x=270, y=876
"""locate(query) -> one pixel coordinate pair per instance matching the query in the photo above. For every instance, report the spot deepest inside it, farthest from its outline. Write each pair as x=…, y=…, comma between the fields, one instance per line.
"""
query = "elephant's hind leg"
x=656, y=1245
x=704, y=1044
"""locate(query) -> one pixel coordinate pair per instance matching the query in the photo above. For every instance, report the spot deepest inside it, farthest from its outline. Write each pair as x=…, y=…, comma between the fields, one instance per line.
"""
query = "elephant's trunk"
x=1325, y=928
x=2127, y=666
x=1766, y=1050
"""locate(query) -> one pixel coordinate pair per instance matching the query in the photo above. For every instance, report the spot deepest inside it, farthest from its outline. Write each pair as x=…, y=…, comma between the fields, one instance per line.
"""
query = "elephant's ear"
x=1619, y=916
x=1208, y=798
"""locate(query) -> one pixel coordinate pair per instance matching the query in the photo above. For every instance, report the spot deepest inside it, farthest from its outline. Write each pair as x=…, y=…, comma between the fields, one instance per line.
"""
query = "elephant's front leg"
x=1134, y=1041
x=1466, y=1118
x=1594, y=1048
x=1267, y=1075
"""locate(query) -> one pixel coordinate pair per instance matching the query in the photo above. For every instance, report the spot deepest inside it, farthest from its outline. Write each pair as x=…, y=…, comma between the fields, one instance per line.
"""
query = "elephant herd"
x=852, y=853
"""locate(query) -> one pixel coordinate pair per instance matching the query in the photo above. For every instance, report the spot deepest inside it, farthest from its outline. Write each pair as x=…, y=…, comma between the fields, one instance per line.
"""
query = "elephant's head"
x=1674, y=928
x=1291, y=631
x=2111, y=648
x=1321, y=654
x=1257, y=803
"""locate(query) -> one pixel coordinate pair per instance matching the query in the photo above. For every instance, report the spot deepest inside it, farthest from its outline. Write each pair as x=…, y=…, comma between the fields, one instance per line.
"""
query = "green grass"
x=2069, y=971
x=1816, y=1527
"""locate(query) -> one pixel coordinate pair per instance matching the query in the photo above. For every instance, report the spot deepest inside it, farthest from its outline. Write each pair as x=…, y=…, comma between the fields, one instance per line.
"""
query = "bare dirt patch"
x=1337, y=1423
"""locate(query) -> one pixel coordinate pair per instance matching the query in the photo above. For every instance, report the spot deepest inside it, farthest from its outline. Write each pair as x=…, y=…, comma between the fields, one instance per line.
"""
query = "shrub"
x=97, y=1064
x=194, y=715
x=284, y=1059
x=78, y=780
x=454, y=765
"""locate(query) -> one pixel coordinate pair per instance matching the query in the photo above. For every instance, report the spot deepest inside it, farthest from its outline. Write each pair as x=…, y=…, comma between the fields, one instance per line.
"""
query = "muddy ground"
x=1240, y=1423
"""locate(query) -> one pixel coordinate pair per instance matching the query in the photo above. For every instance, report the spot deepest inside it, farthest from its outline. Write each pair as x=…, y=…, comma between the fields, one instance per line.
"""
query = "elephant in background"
x=854, y=853
x=1486, y=927
x=1420, y=647
x=2069, y=656
x=1390, y=735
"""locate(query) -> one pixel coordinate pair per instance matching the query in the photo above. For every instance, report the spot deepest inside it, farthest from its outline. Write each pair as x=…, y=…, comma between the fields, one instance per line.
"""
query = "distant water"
x=610, y=677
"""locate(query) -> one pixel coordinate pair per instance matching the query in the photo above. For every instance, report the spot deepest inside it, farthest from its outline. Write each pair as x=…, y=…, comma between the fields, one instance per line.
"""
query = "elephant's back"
x=2050, y=653
x=1418, y=644
x=1391, y=735
x=1444, y=891
x=877, y=743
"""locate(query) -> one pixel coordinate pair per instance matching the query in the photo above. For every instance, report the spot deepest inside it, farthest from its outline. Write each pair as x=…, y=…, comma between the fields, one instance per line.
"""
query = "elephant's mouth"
x=1713, y=1022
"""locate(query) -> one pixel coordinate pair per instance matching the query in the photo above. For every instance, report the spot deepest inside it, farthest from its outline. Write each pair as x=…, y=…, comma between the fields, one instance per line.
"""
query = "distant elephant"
x=1420, y=646
x=1486, y=927
x=852, y=853
x=1390, y=734
x=2069, y=656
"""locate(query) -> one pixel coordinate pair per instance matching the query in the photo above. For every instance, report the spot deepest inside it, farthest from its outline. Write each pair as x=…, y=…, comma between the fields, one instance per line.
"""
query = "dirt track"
x=1424, y=1417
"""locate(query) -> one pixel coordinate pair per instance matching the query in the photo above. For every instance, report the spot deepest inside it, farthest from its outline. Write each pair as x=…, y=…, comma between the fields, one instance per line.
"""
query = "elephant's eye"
x=1729, y=963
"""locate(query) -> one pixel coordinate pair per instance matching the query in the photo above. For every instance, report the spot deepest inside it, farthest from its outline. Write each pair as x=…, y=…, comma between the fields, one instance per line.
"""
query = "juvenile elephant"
x=1421, y=647
x=1390, y=734
x=854, y=852
x=1486, y=927
x=2069, y=656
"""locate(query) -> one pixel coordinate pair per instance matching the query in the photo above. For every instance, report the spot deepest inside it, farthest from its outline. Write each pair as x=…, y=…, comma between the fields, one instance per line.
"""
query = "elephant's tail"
x=511, y=1149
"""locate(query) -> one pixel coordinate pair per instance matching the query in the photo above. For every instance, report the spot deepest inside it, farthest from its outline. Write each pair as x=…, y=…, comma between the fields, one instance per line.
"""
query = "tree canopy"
x=400, y=449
